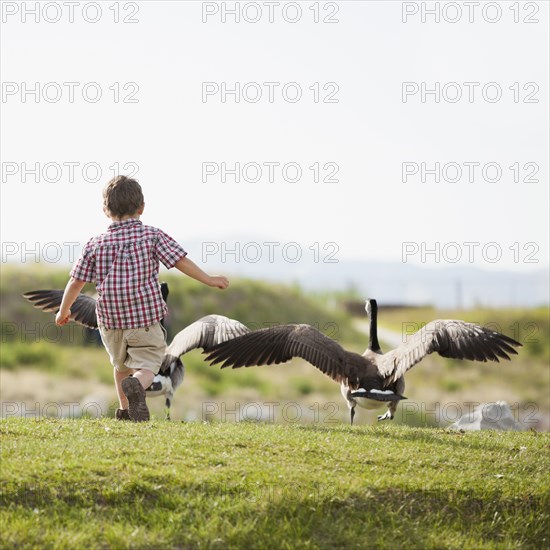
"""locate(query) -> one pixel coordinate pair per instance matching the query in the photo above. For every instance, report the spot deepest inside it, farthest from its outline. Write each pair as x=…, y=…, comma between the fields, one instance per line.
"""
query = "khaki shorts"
x=135, y=348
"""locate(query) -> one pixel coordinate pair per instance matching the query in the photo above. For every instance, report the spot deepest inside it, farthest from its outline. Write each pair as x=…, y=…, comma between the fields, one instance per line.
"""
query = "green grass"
x=103, y=484
x=59, y=361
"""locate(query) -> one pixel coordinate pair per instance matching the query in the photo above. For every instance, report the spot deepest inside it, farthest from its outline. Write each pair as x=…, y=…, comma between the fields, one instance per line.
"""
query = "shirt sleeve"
x=85, y=269
x=169, y=251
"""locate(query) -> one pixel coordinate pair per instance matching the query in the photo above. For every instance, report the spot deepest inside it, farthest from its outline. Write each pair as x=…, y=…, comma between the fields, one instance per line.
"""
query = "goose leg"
x=392, y=405
x=389, y=414
x=167, y=404
x=352, y=414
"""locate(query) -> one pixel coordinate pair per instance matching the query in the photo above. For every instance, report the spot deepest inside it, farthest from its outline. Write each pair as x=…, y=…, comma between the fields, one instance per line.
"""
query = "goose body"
x=203, y=334
x=370, y=379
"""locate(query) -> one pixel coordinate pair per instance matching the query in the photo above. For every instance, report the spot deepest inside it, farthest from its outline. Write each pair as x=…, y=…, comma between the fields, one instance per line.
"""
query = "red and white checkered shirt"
x=124, y=265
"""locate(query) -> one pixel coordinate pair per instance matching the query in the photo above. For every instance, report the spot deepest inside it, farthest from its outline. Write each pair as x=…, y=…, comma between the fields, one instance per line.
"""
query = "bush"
x=39, y=354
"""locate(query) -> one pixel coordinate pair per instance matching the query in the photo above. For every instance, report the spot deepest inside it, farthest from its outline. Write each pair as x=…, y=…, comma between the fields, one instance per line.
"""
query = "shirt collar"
x=114, y=226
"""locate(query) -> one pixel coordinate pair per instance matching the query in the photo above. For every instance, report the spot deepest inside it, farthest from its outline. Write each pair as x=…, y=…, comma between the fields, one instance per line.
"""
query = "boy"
x=124, y=265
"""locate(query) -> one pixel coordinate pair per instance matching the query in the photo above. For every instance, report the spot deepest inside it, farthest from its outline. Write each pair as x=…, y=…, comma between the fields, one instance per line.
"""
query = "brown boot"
x=122, y=414
x=137, y=407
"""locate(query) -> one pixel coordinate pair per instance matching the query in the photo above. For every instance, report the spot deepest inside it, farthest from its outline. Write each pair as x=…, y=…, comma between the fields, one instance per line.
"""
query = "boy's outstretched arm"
x=189, y=268
x=72, y=290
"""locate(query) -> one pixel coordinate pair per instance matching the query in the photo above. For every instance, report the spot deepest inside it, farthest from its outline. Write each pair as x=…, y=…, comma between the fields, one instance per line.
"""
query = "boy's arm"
x=189, y=268
x=72, y=290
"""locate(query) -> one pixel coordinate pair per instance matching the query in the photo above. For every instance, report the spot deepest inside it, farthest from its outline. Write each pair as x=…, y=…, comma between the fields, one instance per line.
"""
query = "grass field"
x=312, y=482
x=102, y=484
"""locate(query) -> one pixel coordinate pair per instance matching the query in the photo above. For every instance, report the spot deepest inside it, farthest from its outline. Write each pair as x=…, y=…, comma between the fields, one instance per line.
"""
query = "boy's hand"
x=62, y=317
x=219, y=282
x=72, y=290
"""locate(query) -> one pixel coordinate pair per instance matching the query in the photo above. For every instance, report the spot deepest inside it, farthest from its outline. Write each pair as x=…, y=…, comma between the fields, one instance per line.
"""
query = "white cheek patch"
x=381, y=392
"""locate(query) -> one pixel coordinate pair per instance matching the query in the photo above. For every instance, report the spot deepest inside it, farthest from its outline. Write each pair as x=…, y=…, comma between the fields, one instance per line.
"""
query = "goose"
x=374, y=377
x=203, y=334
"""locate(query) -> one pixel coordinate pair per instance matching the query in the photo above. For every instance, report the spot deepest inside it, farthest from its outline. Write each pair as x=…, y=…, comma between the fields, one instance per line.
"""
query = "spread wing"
x=280, y=344
x=205, y=333
x=82, y=311
x=450, y=338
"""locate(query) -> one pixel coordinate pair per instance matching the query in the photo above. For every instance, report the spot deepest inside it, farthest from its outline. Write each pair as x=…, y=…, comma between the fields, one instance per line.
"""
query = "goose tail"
x=377, y=395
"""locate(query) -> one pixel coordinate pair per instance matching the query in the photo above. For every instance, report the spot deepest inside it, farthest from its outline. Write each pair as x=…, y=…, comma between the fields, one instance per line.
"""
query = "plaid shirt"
x=124, y=265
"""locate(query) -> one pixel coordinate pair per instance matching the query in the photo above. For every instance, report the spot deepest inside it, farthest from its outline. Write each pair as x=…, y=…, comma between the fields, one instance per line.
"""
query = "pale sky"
x=169, y=53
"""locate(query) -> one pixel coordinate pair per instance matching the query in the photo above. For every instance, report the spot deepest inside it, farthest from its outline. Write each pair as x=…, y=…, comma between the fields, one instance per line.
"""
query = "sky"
x=361, y=126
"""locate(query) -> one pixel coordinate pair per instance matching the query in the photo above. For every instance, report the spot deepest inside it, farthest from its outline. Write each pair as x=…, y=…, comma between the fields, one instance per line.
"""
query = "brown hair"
x=122, y=196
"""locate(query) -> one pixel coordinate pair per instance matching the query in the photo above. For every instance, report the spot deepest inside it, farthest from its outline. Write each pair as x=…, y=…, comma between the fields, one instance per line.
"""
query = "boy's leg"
x=136, y=410
x=119, y=377
x=137, y=407
x=116, y=347
x=144, y=376
x=146, y=350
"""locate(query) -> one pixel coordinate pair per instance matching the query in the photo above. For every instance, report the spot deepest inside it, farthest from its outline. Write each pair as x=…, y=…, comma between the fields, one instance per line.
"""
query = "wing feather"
x=449, y=338
x=280, y=344
x=205, y=333
x=82, y=311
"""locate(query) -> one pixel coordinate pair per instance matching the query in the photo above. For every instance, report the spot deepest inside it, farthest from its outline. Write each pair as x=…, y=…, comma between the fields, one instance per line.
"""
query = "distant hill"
x=256, y=303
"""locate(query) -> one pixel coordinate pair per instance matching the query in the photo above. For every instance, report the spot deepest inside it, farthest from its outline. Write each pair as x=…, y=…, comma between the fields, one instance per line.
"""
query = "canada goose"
x=366, y=379
x=203, y=333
